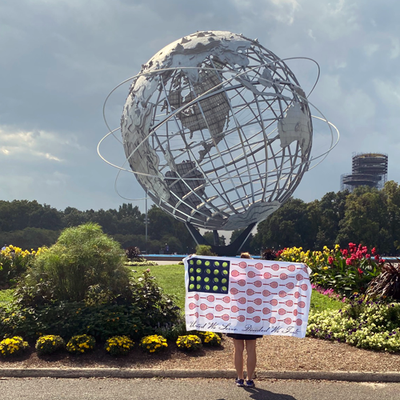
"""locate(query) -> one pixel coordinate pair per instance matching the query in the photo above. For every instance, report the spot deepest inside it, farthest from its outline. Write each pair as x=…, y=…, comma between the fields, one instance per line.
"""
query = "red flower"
x=330, y=260
x=373, y=251
x=348, y=261
x=360, y=271
x=345, y=252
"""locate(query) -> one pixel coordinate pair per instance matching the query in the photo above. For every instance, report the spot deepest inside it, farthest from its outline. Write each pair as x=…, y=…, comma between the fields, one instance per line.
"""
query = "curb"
x=175, y=373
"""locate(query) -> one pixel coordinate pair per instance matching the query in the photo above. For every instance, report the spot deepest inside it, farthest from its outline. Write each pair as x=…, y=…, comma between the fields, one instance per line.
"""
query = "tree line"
x=367, y=216
x=28, y=224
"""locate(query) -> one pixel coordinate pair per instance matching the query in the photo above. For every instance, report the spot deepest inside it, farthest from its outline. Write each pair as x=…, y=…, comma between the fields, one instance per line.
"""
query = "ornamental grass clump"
x=119, y=345
x=80, y=344
x=209, y=338
x=13, y=346
x=49, y=344
x=153, y=343
x=189, y=343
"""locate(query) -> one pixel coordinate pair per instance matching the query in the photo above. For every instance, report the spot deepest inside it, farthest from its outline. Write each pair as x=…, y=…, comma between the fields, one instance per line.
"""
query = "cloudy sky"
x=61, y=58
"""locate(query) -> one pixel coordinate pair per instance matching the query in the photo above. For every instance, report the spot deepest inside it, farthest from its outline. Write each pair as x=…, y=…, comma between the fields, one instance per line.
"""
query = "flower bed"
x=346, y=271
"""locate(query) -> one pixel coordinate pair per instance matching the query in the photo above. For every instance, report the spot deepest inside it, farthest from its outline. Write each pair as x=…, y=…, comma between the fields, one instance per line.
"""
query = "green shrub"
x=13, y=346
x=80, y=344
x=189, y=343
x=148, y=309
x=204, y=250
x=172, y=331
x=153, y=343
x=68, y=319
x=154, y=307
x=84, y=264
x=49, y=344
x=119, y=345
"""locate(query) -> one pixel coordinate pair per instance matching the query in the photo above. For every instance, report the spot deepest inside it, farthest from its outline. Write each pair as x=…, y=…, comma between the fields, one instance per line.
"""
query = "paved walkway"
x=152, y=373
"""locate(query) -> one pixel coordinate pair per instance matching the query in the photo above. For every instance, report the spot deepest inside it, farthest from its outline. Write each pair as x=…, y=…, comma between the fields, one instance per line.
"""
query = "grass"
x=172, y=279
x=321, y=302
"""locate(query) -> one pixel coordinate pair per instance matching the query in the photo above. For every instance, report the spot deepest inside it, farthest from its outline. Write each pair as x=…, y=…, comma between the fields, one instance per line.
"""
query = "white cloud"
x=60, y=59
x=30, y=144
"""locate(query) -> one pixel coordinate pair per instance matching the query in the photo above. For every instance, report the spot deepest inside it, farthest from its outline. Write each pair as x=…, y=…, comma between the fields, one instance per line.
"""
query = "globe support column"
x=231, y=250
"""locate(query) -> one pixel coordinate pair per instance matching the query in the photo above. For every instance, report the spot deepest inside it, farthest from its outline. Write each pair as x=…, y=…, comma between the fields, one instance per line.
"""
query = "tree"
x=73, y=217
x=209, y=237
x=365, y=220
x=391, y=193
x=130, y=220
x=248, y=245
x=289, y=226
x=330, y=210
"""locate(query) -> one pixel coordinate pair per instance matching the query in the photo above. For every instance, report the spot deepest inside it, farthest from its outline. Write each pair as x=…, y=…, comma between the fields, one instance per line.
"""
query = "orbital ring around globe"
x=112, y=131
x=215, y=145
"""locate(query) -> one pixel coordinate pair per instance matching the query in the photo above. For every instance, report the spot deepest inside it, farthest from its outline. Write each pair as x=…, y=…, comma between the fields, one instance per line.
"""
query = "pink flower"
x=360, y=271
x=348, y=261
x=364, y=249
x=368, y=256
x=330, y=260
x=345, y=252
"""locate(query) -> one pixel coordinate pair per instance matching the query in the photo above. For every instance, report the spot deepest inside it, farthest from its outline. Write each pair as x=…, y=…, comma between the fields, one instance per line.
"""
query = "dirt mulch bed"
x=275, y=353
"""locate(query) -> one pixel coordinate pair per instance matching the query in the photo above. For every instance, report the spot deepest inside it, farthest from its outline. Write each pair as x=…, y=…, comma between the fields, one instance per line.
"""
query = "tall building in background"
x=368, y=169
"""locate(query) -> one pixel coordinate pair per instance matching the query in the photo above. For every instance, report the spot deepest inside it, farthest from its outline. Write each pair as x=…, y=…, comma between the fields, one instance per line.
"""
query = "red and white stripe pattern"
x=264, y=298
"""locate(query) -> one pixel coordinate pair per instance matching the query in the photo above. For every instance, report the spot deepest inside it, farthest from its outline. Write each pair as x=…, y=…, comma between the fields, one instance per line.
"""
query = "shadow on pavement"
x=262, y=394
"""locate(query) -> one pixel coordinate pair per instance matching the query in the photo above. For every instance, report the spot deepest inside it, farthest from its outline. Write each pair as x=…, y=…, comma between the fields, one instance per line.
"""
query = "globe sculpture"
x=217, y=131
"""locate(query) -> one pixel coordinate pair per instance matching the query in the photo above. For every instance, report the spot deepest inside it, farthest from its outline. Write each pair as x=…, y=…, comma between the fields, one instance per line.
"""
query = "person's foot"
x=239, y=382
x=250, y=383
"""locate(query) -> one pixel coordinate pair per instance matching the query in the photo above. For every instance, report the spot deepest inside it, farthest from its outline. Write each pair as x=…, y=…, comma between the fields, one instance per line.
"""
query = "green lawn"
x=172, y=279
x=321, y=302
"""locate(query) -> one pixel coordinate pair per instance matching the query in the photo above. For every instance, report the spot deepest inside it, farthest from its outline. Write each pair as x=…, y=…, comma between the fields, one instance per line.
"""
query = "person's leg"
x=238, y=357
x=251, y=358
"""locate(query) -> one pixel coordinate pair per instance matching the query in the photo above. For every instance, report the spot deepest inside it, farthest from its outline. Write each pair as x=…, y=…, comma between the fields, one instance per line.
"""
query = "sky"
x=61, y=58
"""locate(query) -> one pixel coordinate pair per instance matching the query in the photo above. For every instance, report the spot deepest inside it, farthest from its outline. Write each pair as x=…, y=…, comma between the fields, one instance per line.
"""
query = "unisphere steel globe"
x=217, y=130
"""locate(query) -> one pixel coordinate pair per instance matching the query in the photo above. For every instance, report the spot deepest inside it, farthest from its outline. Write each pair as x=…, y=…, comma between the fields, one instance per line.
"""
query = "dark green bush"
x=146, y=309
x=204, y=250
